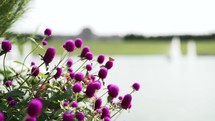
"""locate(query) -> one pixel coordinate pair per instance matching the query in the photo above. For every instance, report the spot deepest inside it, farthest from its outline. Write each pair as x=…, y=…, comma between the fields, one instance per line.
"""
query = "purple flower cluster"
x=69, y=45
x=34, y=108
x=6, y=45
x=49, y=55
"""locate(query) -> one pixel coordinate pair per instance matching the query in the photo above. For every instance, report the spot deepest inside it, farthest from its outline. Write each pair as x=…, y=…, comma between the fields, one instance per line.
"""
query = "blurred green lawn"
x=135, y=47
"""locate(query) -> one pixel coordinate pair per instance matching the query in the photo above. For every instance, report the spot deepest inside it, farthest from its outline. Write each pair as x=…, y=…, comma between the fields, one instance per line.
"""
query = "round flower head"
x=98, y=103
x=30, y=118
x=101, y=58
x=33, y=63
x=105, y=112
x=79, y=76
x=136, y=86
x=68, y=117
x=97, y=85
x=8, y=83
x=113, y=91
x=69, y=63
x=70, y=70
x=80, y=116
x=77, y=87
x=58, y=73
x=1, y=116
x=84, y=51
x=6, y=45
x=9, y=99
x=34, y=108
x=44, y=42
x=69, y=45
x=89, y=56
x=126, y=101
x=107, y=118
x=74, y=104
x=109, y=64
x=12, y=103
x=90, y=91
x=49, y=55
x=78, y=42
x=63, y=88
x=103, y=73
x=65, y=103
x=89, y=67
x=35, y=71
x=48, y=32
x=120, y=97
x=72, y=75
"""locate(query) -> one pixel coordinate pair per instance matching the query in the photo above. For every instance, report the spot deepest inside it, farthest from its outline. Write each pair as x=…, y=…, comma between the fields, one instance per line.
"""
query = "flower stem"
x=5, y=75
x=116, y=113
x=81, y=65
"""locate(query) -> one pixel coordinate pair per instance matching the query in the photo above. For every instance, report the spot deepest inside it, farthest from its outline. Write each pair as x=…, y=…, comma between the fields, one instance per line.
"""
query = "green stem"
x=81, y=66
x=28, y=55
x=116, y=113
x=103, y=95
x=5, y=75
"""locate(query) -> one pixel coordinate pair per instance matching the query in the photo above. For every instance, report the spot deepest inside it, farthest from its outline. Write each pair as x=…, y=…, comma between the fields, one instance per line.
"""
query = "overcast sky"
x=120, y=17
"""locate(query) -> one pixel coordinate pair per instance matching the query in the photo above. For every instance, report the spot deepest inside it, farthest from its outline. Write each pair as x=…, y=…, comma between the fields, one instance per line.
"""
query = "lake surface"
x=171, y=90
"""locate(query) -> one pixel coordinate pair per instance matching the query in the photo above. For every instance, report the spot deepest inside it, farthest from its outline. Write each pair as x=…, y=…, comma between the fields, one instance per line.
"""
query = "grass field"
x=136, y=47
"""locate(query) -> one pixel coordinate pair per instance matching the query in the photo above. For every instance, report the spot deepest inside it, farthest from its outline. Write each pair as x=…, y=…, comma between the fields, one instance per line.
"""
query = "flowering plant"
x=61, y=92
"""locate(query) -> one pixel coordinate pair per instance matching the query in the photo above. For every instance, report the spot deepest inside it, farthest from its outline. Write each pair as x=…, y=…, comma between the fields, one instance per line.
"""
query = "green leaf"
x=15, y=93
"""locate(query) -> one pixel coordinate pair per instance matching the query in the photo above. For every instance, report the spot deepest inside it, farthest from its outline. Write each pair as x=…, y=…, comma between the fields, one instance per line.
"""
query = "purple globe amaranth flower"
x=35, y=71
x=126, y=101
x=8, y=83
x=69, y=63
x=70, y=70
x=77, y=87
x=136, y=86
x=65, y=103
x=6, y=45
x=48, y=32
x=79, y=76
x=101, y=58
x=90, y=91
x=84, y=51
x=89, y=56
x=109, y=64
x=74, y=104
x=105, y=112
x=103, y=73
x=97, y=85
x=49, y=55
x=58, y=73
x=113, y=91
x=98, y=103
x=69, y=45
x=34, y=108
x=68, y=116
x=9, y=99
x=63, y=88
x=30, y=118
x=78, y=42
x=107, y=118
x=12, y=103
x=1, y=116
x=120, y=97
x=33, y=63
x=44, y=42
x=89, y=67
x=72, y=75
x=80, y=116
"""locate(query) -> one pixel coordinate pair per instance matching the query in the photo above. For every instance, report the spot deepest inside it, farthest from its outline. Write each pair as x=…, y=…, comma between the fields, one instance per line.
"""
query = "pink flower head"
x=35, y=71
x=68, y=116
x=49, y=55
x=48, y=32
x=69, y=45
x=58, y=73
x=84, y=51
x=78, y=42
x=34, y=108
x=6, y=45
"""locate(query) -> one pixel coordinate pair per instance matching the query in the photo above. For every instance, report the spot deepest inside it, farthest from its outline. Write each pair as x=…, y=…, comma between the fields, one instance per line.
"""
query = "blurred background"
x=168, y=46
